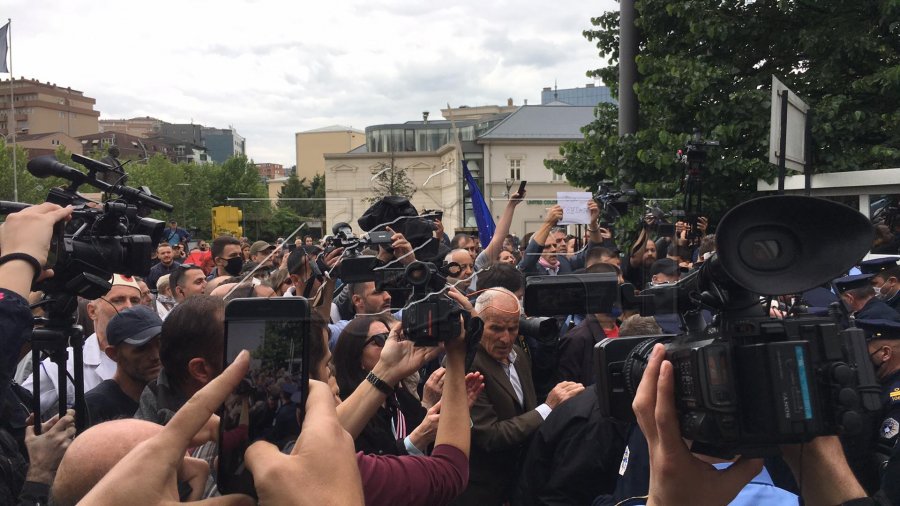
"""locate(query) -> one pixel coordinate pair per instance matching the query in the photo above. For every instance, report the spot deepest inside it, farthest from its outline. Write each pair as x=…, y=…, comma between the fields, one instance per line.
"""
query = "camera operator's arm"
x=824, y=475
x=536, y=245
x=27, y=232
x=493, y=248
x=401, y=249
x=453, y=428
x=398, y=360
x=677, y=476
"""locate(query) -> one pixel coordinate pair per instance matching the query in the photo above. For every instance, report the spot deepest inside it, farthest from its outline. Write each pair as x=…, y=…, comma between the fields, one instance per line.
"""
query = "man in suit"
x=506, y=413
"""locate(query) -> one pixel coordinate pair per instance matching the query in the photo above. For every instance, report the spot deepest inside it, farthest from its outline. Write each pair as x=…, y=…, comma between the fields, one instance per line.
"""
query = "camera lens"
x=417, y=274
x=633, y=368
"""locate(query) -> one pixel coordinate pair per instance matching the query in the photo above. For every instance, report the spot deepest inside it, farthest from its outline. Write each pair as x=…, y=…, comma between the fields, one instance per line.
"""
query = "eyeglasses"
x=377, y=339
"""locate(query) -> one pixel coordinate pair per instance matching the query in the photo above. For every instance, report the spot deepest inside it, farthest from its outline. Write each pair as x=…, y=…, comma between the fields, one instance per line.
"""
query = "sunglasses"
x=377, y=339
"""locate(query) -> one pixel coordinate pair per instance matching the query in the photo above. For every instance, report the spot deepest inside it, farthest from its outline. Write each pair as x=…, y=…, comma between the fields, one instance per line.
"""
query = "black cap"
x=665, y=266
x=876, y=265
x=851, y=282
x=877, y=328
x=136, y=326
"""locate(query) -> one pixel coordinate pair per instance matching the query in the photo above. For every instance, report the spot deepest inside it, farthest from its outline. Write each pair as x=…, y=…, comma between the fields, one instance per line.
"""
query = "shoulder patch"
x=889, y=428
x=624, y=465
x=895, y=394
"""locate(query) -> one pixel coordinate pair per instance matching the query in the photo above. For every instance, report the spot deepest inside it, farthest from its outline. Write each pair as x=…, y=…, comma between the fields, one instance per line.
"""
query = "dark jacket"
x=875, y=308
x=378, y=437
x=574, y=456
x=576, y=351
x=501, y=432
x=530, y=266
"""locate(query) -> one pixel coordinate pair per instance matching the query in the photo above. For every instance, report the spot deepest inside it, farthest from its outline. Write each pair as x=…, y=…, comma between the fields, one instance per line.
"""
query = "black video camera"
x=748, y=382
x=101, y=239
x=614, y=204
x=433, y=317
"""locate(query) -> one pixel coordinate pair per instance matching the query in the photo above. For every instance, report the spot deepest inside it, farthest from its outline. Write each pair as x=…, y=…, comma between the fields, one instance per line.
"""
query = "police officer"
x=886, y=279
x=883, y=338
x=858, y=294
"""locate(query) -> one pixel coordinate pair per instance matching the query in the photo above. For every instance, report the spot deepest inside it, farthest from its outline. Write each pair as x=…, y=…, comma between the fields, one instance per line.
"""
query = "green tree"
x=32, y=190
x=707, y=65
x=390, y=180
x=299, y=188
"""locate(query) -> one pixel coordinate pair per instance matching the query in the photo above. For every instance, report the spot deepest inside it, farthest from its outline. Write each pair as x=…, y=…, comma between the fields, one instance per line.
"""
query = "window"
x=558, y=177
x=515, y=169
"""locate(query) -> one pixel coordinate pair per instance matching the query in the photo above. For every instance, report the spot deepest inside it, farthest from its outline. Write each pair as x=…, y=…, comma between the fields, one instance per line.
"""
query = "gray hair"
x=486, y=299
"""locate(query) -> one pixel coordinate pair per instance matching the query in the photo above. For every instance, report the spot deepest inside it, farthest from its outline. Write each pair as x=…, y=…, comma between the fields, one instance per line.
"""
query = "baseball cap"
x=260, y=246
x=135, y=326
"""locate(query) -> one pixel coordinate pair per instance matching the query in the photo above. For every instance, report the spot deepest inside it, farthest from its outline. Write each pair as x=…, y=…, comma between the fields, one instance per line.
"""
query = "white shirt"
x=513, y=376
x=97, y=367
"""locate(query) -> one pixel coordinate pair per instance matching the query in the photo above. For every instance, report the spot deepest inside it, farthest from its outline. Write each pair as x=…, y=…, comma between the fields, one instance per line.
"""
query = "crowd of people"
x=504, y=419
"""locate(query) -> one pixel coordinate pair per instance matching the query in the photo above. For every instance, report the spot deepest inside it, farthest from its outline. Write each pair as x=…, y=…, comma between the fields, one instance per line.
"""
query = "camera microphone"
x=49, y=166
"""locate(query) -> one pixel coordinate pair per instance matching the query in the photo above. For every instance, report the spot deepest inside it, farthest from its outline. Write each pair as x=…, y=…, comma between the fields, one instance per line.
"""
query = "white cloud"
x=272, y=68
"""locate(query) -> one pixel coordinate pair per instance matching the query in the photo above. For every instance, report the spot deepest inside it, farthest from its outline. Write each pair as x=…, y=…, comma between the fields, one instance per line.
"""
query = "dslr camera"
x=746, y=382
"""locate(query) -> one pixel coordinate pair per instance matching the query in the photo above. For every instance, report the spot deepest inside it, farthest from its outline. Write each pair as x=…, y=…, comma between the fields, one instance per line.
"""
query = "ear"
x=199, y=370
x=112, y=352
x=92, y=310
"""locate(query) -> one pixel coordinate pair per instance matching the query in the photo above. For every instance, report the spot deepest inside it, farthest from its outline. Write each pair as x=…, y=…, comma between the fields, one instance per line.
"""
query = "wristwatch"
x=379, y=383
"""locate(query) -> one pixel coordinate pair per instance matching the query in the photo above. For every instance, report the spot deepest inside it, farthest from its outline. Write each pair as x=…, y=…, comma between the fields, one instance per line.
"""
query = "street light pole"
x=184, y=187
x=243, y=216
x=15, y=171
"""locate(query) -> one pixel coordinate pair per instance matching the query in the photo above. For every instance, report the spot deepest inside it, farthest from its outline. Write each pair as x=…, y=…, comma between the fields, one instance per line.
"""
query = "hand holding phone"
x=520, y=193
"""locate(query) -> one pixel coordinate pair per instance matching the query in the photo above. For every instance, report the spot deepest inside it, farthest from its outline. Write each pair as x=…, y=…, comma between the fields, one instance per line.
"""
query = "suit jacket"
x=501, y=430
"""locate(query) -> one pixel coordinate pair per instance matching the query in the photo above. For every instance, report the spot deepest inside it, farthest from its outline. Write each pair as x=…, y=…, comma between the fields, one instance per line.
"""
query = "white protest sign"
x=575, y=207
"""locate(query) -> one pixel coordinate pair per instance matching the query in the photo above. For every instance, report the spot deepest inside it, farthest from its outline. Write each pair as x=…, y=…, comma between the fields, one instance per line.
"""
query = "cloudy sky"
x=272, y=68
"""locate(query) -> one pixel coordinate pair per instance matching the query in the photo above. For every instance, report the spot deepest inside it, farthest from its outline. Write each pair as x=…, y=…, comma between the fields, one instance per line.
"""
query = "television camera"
x=747, y=382
x=115, y=236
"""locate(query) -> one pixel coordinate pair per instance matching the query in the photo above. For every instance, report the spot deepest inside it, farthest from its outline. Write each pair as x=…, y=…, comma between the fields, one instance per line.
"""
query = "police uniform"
x=878, y=265
x=890, y=385
x=873, y=309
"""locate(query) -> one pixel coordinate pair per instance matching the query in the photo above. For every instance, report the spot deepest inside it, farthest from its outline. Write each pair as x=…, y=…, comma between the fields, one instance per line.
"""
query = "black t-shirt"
x=107, y=401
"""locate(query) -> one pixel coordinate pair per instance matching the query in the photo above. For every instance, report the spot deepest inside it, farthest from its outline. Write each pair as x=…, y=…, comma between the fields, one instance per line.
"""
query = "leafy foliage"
x=390, y=180
x=299, y=188
x=706, y=64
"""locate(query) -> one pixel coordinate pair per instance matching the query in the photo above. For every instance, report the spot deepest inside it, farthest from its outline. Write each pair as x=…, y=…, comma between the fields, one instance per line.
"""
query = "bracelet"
x=26, y=258
x=379, y=383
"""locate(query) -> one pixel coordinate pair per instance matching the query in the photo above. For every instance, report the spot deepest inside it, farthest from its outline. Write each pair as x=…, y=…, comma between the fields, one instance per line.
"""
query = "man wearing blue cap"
x=883, y=338
x=133, y=344
x=886, y=280
x=859, y=296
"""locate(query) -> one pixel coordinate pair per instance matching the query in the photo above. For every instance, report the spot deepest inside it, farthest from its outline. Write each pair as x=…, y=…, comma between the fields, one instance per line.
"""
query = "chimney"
x=526, y=101
x=589, y=85
x=509, y=102
x=546, y=88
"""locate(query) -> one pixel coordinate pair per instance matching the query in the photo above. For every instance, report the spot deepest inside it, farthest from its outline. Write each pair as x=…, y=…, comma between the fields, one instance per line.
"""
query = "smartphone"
x=270, y=402
x=521, y=187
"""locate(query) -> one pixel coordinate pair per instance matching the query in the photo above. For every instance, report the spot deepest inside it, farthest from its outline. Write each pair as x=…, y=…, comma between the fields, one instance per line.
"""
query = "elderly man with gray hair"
x=506, y=412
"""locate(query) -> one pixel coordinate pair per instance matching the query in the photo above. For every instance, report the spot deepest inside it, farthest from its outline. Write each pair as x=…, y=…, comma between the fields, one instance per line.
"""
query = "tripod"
x=58, y=333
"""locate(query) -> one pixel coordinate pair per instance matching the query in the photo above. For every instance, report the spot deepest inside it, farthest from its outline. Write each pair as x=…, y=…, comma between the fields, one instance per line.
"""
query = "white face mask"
x=882, y=294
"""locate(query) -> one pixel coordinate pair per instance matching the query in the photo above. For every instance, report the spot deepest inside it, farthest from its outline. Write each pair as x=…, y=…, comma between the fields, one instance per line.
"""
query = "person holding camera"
x=678, y=476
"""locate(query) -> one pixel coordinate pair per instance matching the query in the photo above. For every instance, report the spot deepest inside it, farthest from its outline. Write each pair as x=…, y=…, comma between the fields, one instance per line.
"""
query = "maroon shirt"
x=389, y=480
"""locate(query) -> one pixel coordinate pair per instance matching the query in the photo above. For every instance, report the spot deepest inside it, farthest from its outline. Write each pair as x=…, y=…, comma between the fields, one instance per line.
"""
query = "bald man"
x=94, y=453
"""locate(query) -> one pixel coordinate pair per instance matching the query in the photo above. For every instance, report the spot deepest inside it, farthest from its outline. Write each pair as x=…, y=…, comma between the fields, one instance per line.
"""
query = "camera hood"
x=787, y=244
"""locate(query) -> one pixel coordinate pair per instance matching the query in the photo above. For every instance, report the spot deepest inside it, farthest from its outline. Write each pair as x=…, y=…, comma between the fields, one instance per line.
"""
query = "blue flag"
x=482, y=213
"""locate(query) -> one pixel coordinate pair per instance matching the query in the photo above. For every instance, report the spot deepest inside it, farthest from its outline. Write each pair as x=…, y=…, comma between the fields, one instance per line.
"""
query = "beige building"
x=140, y=127
x=47, y=144
x=46, y=108
x=312, y=145
x=348, y=178
x=515, y=150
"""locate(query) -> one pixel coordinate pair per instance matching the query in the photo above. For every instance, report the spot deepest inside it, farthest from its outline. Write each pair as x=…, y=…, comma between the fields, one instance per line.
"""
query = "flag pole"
x=11, y=121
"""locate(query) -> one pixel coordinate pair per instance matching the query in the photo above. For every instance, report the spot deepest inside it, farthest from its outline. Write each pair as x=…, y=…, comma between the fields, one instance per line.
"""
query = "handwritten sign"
x=575, y=207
